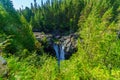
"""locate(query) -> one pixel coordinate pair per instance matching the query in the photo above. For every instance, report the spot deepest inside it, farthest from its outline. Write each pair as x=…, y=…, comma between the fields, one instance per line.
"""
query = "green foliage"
x=99, y=42
x=18, y=70
x=37, y=68
x=28, y=39
x=13, y=24
x=55, y=15
x=97, y=21
x=5, y=42
x=45, y=67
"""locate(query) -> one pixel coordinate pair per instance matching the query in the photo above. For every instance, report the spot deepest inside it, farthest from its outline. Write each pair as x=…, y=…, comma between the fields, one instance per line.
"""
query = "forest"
x=60, y=40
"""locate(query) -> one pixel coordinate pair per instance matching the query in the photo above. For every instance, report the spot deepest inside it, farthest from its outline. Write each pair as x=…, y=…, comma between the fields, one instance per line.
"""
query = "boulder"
x=3, y=67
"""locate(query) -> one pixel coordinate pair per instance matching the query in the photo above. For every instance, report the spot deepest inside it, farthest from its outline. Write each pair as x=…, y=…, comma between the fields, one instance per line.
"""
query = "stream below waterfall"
x=60, y=53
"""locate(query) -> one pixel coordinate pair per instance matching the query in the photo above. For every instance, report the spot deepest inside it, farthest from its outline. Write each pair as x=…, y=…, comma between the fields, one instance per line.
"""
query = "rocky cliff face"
x=68, y=41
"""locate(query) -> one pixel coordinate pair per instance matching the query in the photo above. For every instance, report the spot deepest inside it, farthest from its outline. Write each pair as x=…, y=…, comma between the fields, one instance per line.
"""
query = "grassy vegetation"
x=44, y=67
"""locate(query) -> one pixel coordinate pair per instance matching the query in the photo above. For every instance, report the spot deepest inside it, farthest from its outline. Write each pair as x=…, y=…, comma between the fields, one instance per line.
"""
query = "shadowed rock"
x=3, y=67
x=68, y=41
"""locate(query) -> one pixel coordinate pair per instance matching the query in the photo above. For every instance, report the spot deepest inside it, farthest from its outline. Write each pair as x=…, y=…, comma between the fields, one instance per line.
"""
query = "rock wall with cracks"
x=68, y=41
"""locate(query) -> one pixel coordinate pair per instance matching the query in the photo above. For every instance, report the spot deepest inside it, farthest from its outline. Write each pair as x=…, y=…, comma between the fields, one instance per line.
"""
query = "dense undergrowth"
x=98, y=55
x=45, y=67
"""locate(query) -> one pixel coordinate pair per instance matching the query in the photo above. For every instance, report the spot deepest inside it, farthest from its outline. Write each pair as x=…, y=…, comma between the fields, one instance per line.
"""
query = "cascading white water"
x=60, y=53
x=56, y=48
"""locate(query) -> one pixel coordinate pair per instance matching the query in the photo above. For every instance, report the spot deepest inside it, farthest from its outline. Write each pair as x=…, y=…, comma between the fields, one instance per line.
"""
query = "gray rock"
x=69, y=41
x=3, y=67
x=3, y=61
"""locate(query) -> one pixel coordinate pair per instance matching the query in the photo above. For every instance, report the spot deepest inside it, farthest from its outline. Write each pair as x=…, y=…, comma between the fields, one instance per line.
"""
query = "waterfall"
x=56, y=48
x=60, y=53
